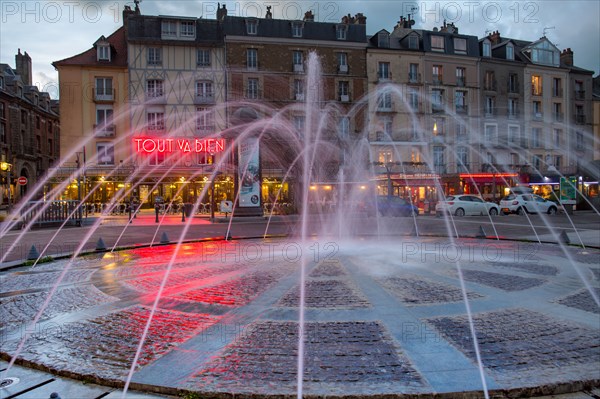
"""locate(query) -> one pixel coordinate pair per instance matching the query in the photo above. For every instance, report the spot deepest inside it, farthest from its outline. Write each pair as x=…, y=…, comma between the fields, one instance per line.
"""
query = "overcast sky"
x=54, y=30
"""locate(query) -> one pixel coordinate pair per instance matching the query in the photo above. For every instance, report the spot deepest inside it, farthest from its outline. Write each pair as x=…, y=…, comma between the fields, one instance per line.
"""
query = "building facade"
x=29, y=132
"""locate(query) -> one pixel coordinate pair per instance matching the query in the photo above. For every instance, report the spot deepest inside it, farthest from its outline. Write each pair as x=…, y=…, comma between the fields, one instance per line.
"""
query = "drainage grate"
x=7, y=382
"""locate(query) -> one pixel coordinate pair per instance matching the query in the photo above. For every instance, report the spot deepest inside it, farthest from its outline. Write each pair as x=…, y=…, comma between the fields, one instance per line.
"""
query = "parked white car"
x=530, y=203
x=461, y=205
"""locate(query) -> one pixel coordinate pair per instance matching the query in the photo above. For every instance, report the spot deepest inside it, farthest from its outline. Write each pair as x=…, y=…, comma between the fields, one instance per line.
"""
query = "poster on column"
x=249, y=173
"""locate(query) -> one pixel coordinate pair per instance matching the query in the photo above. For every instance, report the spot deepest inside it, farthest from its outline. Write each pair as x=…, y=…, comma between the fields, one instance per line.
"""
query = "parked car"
x=461, y=205
x=530, y=203
x=392, y=206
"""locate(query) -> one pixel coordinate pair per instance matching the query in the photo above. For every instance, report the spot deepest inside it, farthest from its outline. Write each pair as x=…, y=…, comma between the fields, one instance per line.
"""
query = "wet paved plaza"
x=381, y=318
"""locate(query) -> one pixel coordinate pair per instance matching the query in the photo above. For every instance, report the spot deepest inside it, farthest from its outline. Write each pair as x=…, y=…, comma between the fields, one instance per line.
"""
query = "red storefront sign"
x=149, y=145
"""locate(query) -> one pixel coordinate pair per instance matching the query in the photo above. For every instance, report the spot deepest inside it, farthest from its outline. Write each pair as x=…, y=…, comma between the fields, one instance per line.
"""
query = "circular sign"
x=21, y=181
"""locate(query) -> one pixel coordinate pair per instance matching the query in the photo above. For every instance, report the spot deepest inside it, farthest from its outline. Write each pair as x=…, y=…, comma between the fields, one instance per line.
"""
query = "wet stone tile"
x=329, y=269
x=19, y=309
x=336, y=354
x=533, y=268
x=106, y=346
x=596, y=273
x=326, y=294
x=421, y=291
x=582, y=300
x=523, y=343
x=236, y=292
x=150, y=283
x=17, y=281
x=504, y=282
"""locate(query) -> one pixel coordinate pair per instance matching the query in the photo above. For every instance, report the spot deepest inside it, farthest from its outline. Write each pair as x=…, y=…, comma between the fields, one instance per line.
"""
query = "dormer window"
x=251, y=26
x=188, y=29
x=35, y=99
x=103, y=52
x=169, y=28
x=460, y=45
x=340, y=32
x=413, y=42
x=383, y=40
x=437, y=43
x=487, y=49
x=297, y=29
x=510, y=52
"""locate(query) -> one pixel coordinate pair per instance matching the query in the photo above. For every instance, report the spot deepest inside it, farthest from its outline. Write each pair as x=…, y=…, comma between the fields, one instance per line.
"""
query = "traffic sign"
x=21, y=181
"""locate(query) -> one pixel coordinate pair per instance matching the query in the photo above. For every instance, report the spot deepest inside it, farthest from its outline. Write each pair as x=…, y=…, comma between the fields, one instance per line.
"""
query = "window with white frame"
x=385, y=156
x=105, y=154
x=535, y=137
x=155, y=121
x=344, y=127
x=252, y=58
x=154, y=88
x=298, y=89
x=413, y=98
x=340, y=32
x=104, y=117
x=460, y=101
x=383, y=71
x=204, y=90
x=510, y=52
x=437, y=100
x=298, y=121
x=251, y=26
x=460, y=45
x=343, y=88
x=103, y=89
x=487, y=49
x=188, y=29
x=103, y=52
x=342, y=59
x=490, y=106
x=557, y=137
x=462, y=158
x=205, y=122
x=461, y=132
x=513, y=134
x=203, y=57
x=384, y=102
x=438, y=159
x=169, y=28
x=437, y=74
x=154, y=56
x=252, y=88
x=513, y=108
x=437, y=43
x=490, y=134
x=297, y=29
x=388, y=123
x=413, y=73
x=297, y=59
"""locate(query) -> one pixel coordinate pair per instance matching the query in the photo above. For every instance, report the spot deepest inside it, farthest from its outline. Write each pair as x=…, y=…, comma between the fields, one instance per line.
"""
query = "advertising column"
x=249, y=178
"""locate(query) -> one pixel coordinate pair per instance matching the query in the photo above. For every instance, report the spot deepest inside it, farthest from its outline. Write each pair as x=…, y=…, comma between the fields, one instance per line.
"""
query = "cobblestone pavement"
x=382, y=318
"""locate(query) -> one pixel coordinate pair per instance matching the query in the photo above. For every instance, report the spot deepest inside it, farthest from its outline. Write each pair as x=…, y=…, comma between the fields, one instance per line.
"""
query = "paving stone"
x=328, y=269
x=326, y=294
x=416, y=291
x=504, y=282
x=18, y=309
x=238, y=291
x=25, y=280
x=336, y=353
x=533, y=268
x=582, y=300
x=106, y=346
x=524, y=343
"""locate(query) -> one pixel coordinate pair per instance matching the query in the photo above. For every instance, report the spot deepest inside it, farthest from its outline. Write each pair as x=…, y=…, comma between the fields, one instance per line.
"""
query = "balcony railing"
x=579, y=119
x=298, y=68
x=558, y=116
x=512, y=87
x=490, y=85
x=537, y=116
x=207, y=98
x=104, y=130
x=462, y=108
x=579, y=94
x=460, y=81
x=437, y=108
x=384, y=77
x=103, y=94
x=437, y=80
x=414, y=77
x=557, y=92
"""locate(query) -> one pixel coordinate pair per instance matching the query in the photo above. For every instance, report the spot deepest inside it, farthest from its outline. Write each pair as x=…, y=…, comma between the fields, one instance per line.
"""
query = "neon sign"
x=150, y=145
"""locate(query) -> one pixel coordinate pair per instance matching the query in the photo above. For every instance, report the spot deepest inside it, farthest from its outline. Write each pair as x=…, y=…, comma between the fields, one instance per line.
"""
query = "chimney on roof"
x=566, y=57
x=23, y=62
x=360, y=19
x=348, y=19
x=494, y=37
x=309, y=16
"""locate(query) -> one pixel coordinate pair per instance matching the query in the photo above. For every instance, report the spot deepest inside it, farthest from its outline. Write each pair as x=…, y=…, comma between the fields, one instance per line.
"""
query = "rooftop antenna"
x=546, y=29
